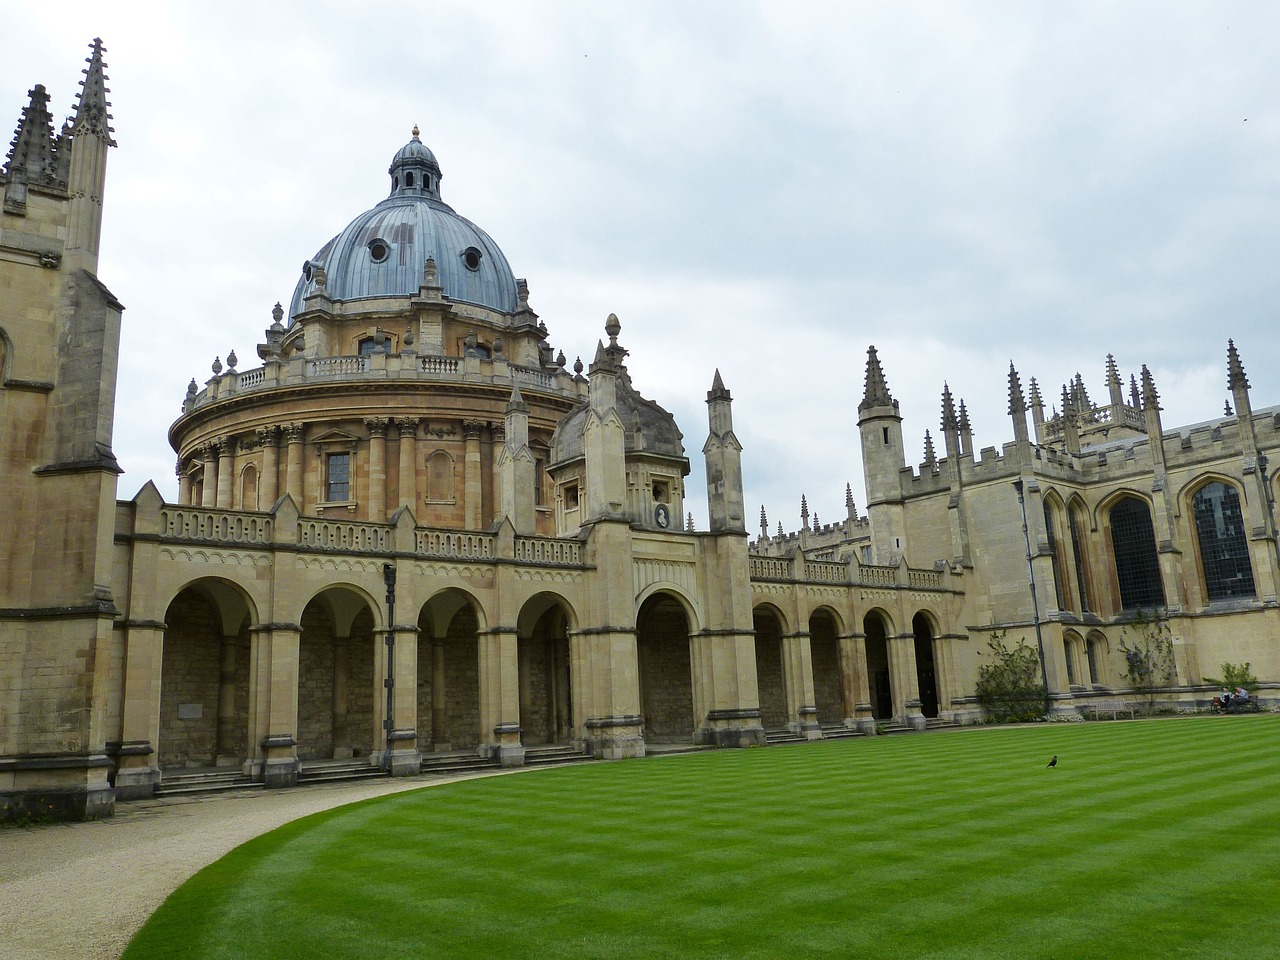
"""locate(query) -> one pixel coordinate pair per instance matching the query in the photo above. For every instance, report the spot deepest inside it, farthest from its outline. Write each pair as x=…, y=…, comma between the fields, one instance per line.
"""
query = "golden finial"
x=416, y=131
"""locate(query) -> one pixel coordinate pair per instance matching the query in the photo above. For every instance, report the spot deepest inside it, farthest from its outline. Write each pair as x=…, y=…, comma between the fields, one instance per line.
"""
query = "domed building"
x=407, y=538
x=386, y=385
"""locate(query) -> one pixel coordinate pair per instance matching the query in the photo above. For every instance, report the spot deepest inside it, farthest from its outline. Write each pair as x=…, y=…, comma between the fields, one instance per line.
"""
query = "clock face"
x=662, y=516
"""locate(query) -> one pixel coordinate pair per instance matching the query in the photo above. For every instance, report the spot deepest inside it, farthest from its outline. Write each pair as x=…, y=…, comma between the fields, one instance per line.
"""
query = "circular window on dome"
x=471, y=257
x=379, y=250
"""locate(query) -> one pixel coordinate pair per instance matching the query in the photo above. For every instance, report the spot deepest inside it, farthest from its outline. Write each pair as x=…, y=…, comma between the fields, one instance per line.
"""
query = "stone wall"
x=666, y=680
x=315, y=684
x=189, y=681
x=827, y=684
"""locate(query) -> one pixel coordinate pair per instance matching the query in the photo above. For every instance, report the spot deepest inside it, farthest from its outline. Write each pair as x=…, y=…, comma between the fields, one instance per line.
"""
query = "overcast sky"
x=764, y=188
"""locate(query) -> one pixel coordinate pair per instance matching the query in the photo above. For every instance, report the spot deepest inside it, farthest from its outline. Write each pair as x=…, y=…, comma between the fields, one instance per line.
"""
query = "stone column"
x=269, y=437
x=226, y=471
x=498, y=438
x=855, y=685
x=139, y=770
x=341, y=680
x=227, y=752
x=437, y=697
x=209, y=487
x=279, y=746
x=294, y=433
x=408, y=427
x=797, y=675
x=406, y=758
x=473, y=486
x=902, y=677
x=184, y=485
x=377, y=427
x=500, y=695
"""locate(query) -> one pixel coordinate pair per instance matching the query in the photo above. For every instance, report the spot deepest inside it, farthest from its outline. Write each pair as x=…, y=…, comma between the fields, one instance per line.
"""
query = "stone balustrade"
x=382, y=368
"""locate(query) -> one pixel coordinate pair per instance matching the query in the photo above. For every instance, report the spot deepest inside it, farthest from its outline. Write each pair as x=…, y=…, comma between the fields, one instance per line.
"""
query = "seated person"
x=1223, y=701
x=1241, y=696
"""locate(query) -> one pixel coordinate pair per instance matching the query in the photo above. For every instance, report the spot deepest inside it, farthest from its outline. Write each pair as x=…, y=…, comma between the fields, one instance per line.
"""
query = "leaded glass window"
x=1224, y=549
x=1133, y=547
x=338, y=479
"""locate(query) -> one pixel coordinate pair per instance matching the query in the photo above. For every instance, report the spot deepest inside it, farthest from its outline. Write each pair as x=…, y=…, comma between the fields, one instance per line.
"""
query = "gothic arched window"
x=1133, y=548
x=1059, y=574
x=1224, y=549
x=1076, y=522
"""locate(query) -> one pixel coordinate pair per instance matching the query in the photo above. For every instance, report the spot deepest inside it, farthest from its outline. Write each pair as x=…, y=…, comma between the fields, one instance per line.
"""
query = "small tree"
x=1235, y=675
x=1147, y=646
x=1009, y=687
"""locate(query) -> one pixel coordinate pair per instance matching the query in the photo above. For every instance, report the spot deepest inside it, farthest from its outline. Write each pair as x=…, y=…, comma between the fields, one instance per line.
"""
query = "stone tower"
x=59, y=338
x=883, y=457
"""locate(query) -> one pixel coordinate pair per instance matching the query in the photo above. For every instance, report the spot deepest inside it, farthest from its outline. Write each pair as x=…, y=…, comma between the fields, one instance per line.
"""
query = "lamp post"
x=1035, y=600
x=389, y=578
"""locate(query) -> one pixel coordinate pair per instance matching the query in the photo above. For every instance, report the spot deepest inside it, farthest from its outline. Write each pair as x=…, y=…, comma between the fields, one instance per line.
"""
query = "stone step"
x=174, y=784
x=774, y=737
x=331, y=771
x=548, y=755
x=840, y=732
x=447, y=763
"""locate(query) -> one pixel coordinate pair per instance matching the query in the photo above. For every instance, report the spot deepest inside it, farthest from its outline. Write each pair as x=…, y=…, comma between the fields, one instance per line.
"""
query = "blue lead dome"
x=381, y=252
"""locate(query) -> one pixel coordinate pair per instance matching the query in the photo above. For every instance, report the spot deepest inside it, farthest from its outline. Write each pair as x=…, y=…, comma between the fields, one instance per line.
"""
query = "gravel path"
x=80, y=891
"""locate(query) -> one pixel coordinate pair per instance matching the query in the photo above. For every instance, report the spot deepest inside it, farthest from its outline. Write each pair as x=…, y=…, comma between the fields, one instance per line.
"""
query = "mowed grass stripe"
x=956, y=845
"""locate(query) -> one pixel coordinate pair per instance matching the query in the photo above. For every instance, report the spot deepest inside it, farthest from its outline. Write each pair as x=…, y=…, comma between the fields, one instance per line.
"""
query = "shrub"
x=1147, y=646
x=1010, y=688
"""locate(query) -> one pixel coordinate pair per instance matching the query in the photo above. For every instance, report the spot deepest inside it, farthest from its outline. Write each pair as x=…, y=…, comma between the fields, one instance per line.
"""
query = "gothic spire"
x=930, y=458
x=964, y=418
x=1036, y=401
x=804, y=511
x=1017, y=404
x=876, y=392
x=848, y=500
x=1150, y=399
x=1235, y=369
x=1113, y=372
x=1135, y=398
x=92, y=117
x=32, y=157
x=948, y=409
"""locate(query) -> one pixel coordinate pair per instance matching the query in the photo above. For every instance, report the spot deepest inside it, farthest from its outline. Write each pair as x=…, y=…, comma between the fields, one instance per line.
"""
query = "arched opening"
x=1133, y=546
x=204, y=679
x=1071, y=648
x=249, y=488
x=666, y=678
x=926, y=672
x=546, y=714
x=1096, y=653
x=1224, y=548
x=1060, y=584
x=440, y=477
x=828, y=680
x=449, y=674
x=1077, y=524
x=876, y=632
x=337, y=689
x=770, y=673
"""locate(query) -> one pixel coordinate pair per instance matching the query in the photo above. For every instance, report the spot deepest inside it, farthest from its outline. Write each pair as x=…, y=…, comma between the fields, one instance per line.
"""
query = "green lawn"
x=1156, y=838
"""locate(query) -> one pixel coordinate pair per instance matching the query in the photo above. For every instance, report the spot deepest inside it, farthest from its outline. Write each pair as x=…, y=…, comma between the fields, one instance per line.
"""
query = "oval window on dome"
x=471, y=257
x=379, y=250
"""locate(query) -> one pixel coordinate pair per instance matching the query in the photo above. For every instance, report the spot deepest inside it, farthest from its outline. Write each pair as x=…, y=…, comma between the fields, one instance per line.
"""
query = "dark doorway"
x=926, y=674
x=878, y=666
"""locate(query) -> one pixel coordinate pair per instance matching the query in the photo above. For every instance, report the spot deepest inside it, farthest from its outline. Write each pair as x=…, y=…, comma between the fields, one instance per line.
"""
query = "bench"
x=1098, y=709
x=1249, y=706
